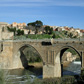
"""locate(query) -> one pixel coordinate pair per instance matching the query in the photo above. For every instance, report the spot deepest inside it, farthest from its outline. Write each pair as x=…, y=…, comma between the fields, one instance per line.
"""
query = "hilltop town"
x=9, y=31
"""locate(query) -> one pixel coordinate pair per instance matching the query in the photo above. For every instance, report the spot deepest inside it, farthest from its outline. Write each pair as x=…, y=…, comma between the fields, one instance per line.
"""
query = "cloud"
x=68, y=3
x=25, y=0
x=40, y=3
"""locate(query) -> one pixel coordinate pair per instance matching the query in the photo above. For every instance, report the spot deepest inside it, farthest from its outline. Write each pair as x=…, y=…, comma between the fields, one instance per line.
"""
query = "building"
x=18, y=25
x=3, y=24
x=21, y=25
x=4, y=33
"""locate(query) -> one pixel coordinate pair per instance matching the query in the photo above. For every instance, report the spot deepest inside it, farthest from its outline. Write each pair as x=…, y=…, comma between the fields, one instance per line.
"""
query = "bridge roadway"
x=50, y=51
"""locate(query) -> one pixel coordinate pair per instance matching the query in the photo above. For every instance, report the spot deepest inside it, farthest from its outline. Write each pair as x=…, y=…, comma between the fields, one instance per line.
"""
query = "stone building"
x=3, y=24
x=4, y=33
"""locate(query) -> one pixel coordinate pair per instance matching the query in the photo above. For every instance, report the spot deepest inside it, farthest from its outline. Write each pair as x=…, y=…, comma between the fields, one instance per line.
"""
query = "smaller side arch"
x=58, y=58
x=64, y=48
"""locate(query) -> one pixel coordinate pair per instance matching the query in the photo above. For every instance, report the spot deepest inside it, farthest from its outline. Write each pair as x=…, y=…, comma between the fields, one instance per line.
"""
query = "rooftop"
x=5, y=23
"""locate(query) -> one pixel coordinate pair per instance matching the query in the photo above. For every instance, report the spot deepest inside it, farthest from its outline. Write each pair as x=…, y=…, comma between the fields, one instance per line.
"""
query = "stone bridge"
x=50, y=52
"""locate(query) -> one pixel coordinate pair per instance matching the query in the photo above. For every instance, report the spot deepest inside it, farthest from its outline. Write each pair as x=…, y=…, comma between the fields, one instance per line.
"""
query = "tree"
x=12, y=30
x=36, y=23
x=65, y=32
x=70, y=35
x=53, y=36
x=36, y=31
x=20, y=32
x=47, y=29
x=39, y=23
x=32, y=24
x=50, y=30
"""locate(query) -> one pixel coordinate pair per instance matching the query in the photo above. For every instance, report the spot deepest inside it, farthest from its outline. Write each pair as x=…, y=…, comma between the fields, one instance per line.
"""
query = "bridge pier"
x=50, y=71
x=83, y=59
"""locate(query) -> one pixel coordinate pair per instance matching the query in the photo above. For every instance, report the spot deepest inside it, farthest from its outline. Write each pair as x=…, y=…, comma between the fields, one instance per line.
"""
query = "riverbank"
x=39, y=64
x=36, y=64
x=66, y=64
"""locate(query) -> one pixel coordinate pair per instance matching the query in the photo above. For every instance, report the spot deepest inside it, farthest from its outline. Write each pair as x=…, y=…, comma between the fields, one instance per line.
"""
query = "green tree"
x=20, y=32
x=12, y=30
x=65, y=32
x=47, y=29
x=39, y=23
x=50, y=30
x=32, y=24
x=53, y=36
x=36, y=23
x=70, y=35
x=36, y=31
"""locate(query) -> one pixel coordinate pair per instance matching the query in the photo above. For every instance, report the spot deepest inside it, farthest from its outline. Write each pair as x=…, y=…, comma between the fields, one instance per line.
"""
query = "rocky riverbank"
x=65, y=64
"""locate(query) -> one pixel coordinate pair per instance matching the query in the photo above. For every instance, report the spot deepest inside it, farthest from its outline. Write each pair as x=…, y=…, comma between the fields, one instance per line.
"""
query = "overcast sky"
x=50, y=12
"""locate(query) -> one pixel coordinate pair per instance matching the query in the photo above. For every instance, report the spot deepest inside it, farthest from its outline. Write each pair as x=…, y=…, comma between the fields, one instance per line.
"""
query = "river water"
x=23, y=76
x=74, y=68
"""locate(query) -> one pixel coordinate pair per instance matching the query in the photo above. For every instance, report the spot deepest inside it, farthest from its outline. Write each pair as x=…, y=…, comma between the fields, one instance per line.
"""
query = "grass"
x=33, y=36
x=2, y=79
x=36, y=36
x=3, y=76
x=39, y=36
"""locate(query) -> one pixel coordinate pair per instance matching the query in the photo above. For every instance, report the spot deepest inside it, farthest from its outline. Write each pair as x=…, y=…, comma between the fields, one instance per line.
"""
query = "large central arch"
x=23, y=57
x=19, y=57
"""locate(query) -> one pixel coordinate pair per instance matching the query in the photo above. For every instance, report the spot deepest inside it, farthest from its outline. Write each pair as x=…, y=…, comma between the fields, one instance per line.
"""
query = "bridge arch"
x=58, y=58
x=23, y=58
x=64, y=48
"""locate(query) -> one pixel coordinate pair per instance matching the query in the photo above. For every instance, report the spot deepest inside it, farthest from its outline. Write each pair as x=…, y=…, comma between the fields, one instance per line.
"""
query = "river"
x=22, y=76
x=74, y=68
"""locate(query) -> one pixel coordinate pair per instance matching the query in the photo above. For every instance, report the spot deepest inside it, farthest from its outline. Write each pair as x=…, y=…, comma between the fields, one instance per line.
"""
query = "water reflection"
x=21, y=76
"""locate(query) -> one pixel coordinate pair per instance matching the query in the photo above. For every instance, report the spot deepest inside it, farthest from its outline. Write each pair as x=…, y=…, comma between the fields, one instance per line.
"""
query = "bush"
x=82, y=74
x=63, y=80
x=3, y=76
x=53, y=36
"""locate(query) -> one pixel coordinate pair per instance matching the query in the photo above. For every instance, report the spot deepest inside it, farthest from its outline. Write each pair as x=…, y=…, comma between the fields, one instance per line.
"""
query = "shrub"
x=3, y=76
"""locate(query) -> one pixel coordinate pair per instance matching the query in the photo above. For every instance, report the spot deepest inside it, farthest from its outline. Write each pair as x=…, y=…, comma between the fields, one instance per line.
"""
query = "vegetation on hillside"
x=72, y=51
x=47, y=32
x=16, y=32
